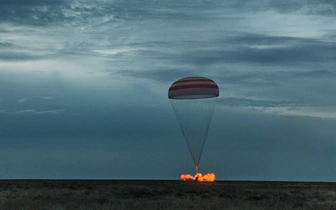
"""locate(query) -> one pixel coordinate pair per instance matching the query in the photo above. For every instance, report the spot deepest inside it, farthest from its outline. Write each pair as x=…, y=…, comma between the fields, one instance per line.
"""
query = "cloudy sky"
x=83, y=88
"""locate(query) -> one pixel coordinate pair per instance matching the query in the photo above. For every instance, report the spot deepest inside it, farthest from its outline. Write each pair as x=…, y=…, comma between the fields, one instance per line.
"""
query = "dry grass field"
x=124, y=194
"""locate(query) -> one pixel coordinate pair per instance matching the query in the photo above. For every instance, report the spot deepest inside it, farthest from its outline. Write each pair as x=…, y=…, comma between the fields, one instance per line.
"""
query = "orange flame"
x=199, y=177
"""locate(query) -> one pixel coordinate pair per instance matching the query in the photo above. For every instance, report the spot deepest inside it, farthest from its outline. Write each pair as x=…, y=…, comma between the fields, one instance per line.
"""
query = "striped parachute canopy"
x=193, y=100
x=193, y=88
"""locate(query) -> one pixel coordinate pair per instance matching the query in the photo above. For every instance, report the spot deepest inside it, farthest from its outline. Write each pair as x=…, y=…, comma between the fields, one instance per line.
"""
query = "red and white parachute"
x=193, y=88
x=193, y=100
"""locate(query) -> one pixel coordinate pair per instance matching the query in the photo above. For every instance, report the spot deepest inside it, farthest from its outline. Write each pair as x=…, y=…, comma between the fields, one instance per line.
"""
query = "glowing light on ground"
x=199, y=177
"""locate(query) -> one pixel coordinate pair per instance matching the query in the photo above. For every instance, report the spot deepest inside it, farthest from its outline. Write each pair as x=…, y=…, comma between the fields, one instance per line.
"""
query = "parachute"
x=193, y=100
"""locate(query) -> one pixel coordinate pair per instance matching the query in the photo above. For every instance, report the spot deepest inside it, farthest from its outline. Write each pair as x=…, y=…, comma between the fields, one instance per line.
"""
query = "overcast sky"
x=83, y=88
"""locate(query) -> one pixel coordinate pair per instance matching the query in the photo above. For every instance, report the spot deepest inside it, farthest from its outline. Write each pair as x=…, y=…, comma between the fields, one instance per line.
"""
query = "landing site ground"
x=164, y=194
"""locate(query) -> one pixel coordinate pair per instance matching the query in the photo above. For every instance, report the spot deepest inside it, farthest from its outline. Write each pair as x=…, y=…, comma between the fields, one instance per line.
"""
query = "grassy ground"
x=114, y=194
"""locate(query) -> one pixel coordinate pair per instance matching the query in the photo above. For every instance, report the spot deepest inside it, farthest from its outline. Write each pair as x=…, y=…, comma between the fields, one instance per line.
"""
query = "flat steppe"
x=164, y=194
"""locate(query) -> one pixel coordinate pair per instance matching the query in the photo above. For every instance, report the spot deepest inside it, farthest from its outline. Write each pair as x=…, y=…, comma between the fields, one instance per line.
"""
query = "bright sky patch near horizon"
x=83, y=88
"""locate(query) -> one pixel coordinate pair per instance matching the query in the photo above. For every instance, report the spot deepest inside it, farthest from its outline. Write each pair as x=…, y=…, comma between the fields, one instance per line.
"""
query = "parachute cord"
x=196, y=169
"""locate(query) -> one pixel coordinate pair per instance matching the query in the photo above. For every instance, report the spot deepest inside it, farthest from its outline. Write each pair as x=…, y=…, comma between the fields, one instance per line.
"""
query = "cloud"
x=47, y=98
x=17, y=56
x=244, y=57
x=248, y=102
x=272, y=51
x=5, y=44
x=81, y=12
x=315, y=112
x=84, y=12
x=317, y=7
x=22, y=100
x=314, y=74
x=31, y=12
x=31, y=2
x=273, y=107
x=159, y=74
x=32, y=112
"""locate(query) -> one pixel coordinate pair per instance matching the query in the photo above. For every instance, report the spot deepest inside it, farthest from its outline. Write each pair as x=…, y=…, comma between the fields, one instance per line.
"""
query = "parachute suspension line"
x=184, y=110
x=194, y=117
x=196, y=169
x=207, y=109
x=179, y=108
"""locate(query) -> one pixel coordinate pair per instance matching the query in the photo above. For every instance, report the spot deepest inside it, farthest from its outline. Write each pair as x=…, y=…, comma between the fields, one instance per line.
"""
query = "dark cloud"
x=18, y=56
x=254, y=49
x=31, y=2
x=314, y=74
x=223, y=76
x=264, y=40
x=27, y=15
x=39, y=12
x=260, y=60
x=285, y=55
x=76, y=13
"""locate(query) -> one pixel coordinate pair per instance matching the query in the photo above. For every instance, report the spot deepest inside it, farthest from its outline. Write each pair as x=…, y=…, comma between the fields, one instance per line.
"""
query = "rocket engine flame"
x=199, y=177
